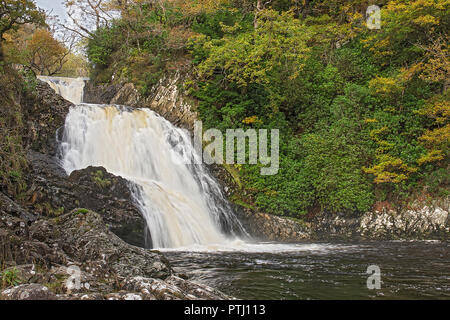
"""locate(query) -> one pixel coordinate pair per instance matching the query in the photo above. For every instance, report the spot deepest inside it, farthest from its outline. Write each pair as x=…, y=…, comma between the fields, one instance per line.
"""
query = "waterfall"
x=70, y=89
x=182, y=204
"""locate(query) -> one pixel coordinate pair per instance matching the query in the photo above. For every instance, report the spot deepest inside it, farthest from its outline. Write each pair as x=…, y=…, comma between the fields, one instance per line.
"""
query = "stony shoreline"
x=85, y=222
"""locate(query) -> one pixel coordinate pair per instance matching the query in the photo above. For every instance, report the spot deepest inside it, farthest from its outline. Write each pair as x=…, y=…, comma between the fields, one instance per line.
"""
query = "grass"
x=9, y=278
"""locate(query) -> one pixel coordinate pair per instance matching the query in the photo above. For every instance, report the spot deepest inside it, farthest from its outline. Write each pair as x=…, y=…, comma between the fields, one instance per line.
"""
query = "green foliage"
x=80, y=211
x=139, y=47
x=9, y=278
x=13, y=162
x=15, y=13
x=99, y=179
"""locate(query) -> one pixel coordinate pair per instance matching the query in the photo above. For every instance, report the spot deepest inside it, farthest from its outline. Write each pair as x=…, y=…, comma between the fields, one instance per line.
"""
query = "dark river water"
x=268, y=271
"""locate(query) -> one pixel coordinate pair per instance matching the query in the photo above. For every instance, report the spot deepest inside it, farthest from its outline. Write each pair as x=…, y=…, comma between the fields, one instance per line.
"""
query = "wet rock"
x=419, y=221
x=272, y=228
x=44, y=117
x=54, y=193
x=28, y=292
x=173, y=288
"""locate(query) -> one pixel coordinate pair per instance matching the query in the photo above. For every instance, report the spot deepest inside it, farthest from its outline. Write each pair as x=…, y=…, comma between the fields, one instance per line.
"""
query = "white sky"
x=55, y=5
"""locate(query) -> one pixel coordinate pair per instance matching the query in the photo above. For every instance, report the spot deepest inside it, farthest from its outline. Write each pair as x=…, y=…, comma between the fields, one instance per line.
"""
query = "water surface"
x=409, y=270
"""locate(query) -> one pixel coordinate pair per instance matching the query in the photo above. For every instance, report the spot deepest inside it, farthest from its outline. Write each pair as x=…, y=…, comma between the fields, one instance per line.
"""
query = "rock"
x=100, y=93
x=419, y=221
x=174, y=288
x=83, y=236
x=268, y=227
x=28, y=292
x=165, y=98
x=44, y=117
x=126, y=96
x=170, y=102
x=9, y=206
x=91, y=188
x=79, y=244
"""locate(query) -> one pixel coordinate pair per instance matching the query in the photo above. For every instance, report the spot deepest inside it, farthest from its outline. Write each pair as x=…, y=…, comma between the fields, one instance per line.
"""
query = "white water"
x=70, y=89
x=183, y=205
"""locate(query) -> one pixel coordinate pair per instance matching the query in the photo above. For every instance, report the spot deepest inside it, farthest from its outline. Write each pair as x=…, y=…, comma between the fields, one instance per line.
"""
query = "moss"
x=100, y=180
x=234, y=174
x=80, y=211
x=236, y=200
x=9, y=278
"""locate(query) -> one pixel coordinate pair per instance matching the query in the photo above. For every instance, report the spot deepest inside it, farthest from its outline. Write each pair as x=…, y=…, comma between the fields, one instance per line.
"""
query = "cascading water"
x=70, y=89
x=182, y=204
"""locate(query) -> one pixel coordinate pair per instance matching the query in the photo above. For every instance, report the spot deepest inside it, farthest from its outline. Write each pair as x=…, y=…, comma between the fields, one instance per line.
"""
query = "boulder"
x=53, y=193
x=28, y=292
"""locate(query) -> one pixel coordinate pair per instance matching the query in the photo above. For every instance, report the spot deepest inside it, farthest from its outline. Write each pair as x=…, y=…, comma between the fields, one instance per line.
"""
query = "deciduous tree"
x=14, y=13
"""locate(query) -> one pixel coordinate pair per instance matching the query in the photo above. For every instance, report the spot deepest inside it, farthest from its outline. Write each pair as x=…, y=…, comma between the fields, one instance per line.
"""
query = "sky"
x=55, y=5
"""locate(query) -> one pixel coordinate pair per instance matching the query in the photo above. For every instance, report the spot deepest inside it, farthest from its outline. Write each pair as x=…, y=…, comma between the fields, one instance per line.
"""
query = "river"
x=409, y=270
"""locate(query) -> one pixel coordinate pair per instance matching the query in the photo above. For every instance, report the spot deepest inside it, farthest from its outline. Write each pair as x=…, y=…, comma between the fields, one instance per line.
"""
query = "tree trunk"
x=259, y=8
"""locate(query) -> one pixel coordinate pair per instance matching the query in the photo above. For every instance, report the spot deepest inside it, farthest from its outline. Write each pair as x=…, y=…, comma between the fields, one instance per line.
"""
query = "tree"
x=45, y=54
x=37, y=49
x=14, y=13
x=408, y=26
x=278, y=46
x=87, y=16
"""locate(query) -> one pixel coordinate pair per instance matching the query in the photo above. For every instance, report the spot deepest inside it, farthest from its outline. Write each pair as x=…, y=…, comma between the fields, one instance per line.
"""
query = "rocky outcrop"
x=268, y=227
x=52, y=193
x=418, y=221
x=76, y=256
x=44, y=117
x=100, y=93
x=166, y=98
x=127, y=95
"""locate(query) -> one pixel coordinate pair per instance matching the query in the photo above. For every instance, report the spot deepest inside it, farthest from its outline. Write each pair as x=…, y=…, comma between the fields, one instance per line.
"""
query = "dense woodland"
x=363, y=113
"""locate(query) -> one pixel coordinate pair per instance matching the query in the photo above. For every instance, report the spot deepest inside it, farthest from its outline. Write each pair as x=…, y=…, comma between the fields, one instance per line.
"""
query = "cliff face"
x=44, y=234
x=166, y=98
x=420, y=220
